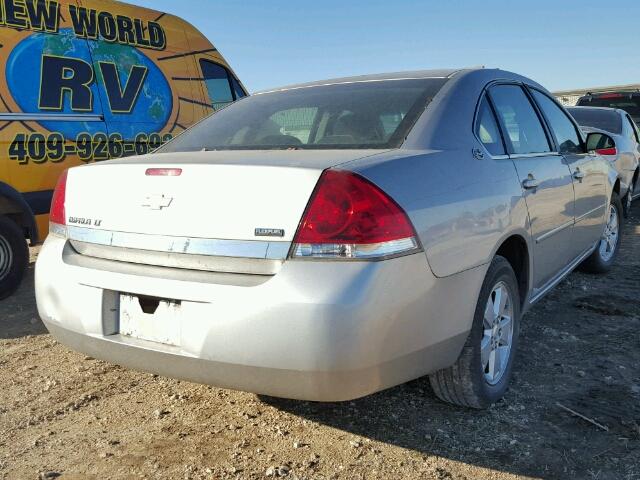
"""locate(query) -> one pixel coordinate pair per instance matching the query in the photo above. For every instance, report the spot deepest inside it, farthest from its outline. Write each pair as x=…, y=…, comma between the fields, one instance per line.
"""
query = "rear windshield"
x=376, y=114
x=608, y=120
x=630, y=104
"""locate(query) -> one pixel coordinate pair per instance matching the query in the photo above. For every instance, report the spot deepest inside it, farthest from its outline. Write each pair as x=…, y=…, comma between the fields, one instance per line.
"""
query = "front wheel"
x=606, y=251
x=14, y=257
x=483, y=370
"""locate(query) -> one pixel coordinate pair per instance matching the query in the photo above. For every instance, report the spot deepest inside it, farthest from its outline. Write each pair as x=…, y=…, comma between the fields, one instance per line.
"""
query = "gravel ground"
x=66, y=415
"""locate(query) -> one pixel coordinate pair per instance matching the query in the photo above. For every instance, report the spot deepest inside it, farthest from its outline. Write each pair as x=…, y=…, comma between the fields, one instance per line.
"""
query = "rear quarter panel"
x=462, y=208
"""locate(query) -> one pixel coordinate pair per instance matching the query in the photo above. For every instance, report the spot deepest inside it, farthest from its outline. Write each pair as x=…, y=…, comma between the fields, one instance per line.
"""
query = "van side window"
x=562, y=127
x=524, y=132
x=487, y=129
x=218, y=84
x=237, y=89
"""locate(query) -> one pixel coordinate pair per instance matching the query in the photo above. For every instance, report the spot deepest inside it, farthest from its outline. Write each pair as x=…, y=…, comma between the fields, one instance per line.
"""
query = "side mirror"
x=601, y=143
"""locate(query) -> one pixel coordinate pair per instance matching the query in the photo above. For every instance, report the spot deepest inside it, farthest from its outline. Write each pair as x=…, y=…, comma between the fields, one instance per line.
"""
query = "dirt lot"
x=75, y=417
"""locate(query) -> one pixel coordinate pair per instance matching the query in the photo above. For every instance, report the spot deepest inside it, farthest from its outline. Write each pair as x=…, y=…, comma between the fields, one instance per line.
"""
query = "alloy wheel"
x=497, y=338
x=609, y=241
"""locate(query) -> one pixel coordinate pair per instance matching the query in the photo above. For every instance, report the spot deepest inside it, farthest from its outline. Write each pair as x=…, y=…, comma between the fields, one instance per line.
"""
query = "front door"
x=546, y=181
x=589, y=174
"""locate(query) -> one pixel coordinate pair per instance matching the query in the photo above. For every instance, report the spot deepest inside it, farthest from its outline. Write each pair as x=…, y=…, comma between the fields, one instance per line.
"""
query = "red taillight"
x=57, y=214
x=349, y=216
x=607, y=151
x=163, y=172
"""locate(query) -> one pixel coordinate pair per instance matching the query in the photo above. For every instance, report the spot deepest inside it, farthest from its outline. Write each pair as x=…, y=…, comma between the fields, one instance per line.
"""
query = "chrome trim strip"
x=541, y=292
x=534, y=155
x=186, y=245
x=568, y=224
x=50, y=117
x=551, y=233
x=177, y=261
x=585, y=215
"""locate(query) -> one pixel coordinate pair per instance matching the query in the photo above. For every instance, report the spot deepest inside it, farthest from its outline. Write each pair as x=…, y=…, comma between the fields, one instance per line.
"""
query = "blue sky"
x=562, y=44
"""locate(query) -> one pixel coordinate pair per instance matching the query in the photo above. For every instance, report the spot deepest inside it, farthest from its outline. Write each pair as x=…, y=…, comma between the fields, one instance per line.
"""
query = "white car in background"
x=624, y=154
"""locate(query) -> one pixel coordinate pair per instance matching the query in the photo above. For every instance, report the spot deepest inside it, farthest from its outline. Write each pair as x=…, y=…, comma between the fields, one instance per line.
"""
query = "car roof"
x=415, y=74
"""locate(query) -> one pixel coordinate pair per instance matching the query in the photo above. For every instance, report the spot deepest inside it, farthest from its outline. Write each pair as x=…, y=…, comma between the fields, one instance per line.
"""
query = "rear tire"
x=474, y=381
x=14, y=257
x=602, y=258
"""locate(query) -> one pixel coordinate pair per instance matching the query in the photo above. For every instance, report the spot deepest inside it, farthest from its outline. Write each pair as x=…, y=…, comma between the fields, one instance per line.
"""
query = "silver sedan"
x=329, y=240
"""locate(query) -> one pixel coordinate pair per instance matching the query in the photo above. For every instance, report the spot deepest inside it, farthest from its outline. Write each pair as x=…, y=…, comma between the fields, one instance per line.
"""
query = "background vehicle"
x=624, y=154
x=84, y=81
x=329, y=240
x=627, y=101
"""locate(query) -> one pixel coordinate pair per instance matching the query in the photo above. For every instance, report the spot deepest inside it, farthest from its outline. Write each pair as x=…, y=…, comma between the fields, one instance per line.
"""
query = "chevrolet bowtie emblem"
x=157, y=202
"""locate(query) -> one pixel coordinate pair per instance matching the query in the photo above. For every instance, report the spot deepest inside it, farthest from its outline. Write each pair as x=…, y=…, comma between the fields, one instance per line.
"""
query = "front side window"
x=524, y=132
x=487, y=129
x=216, y=78
x=357, y=115
x=563, y=128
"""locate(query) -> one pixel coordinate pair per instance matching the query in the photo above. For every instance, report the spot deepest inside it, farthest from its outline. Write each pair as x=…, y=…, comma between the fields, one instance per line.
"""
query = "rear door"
x=588, y=171
x=545, y=177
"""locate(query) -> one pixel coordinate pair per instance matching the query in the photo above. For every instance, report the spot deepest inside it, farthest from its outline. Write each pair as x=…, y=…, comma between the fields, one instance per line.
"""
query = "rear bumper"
x=334, y=385
x=322, y=331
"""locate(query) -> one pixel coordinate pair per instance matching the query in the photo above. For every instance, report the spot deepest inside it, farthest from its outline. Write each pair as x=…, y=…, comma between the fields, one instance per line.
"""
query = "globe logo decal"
x=153, y=103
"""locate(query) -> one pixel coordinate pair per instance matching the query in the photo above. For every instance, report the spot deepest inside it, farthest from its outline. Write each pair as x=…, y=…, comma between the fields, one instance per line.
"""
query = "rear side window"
x=487, y=129
x=524, y=132
x=563, y=128
x=216, y=79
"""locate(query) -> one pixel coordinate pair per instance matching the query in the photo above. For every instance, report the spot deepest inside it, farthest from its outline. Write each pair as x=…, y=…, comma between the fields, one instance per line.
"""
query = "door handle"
x=578, y=175
x=530, y=183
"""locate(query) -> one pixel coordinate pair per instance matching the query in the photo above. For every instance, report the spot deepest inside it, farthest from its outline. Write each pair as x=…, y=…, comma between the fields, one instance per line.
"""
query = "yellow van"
x=84, y=81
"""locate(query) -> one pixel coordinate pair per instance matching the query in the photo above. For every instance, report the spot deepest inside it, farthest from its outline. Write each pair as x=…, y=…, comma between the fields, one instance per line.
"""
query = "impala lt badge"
x=157, y=202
